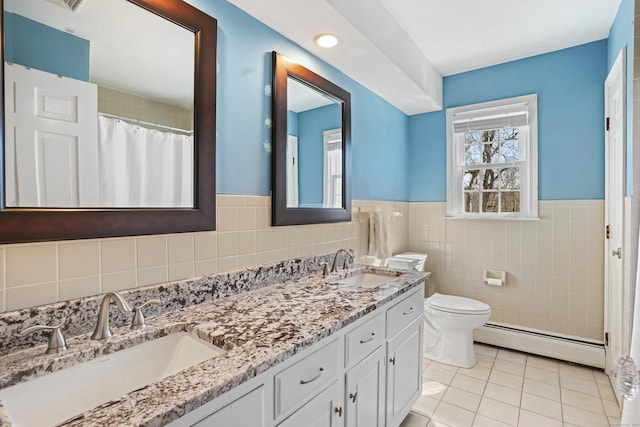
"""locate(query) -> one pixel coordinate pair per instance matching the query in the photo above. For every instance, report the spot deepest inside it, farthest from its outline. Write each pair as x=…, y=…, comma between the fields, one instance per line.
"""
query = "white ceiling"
x=131, y=50
x=400, y=49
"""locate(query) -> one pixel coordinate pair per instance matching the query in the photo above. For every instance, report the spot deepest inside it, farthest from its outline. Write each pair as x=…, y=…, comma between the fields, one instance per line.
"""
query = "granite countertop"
x=257, y=329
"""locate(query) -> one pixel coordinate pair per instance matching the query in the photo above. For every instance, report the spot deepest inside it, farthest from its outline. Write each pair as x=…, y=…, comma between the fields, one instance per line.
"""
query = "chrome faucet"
x=102, y=330
x=334, y=269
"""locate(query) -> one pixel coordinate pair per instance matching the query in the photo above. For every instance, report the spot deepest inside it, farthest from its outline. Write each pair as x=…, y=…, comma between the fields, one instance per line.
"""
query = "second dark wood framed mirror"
x=88, y=214
x=311, y=141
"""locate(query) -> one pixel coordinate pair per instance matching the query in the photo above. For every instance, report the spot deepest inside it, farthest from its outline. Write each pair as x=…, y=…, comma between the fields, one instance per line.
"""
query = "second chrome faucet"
x=103, y=331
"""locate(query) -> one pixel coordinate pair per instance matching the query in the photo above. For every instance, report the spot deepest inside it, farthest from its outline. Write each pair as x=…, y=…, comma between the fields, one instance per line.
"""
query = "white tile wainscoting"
x=555, y=266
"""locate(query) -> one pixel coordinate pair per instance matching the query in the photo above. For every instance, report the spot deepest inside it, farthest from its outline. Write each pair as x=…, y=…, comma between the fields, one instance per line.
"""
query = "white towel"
x=374, y=220
x=379, y=238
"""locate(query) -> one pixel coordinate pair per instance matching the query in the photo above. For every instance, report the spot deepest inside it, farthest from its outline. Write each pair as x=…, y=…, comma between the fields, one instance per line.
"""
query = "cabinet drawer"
x=363, y=340
x=299, y=381
x=247, y=410
x=324, y=410
x=401, y=314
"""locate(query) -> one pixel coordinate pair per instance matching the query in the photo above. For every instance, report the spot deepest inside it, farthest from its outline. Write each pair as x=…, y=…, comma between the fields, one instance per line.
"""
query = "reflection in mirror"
x=314, y=148
x=311, y=143
x=106, y=129
x=109, y=106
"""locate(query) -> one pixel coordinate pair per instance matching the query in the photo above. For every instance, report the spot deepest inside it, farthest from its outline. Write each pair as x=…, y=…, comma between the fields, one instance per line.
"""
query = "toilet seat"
x=455, y=304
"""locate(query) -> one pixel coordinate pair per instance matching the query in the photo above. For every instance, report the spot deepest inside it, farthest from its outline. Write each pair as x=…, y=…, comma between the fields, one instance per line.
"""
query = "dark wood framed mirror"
x=311, y=142
x=33, y=222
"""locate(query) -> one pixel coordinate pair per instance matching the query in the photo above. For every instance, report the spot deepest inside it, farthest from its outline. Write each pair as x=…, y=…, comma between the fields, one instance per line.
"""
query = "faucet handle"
x=138, y=317
x=57, y=343
x=325, y=269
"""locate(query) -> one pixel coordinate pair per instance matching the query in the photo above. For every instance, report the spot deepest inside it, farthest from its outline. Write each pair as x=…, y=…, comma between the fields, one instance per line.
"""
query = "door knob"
x=617, y=252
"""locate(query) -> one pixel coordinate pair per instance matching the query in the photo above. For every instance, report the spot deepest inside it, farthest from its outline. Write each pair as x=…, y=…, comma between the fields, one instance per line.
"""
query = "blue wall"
x=292, y=123
x=38, y=46
x=379, y=130
x=620, y=36
x=569, y=84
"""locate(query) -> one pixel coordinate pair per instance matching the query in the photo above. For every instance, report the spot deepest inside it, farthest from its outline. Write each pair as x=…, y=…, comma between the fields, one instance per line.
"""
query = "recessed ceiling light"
x=326, y=40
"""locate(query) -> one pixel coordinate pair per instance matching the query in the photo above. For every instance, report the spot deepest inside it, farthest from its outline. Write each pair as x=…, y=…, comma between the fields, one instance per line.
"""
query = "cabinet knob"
x=393, y=360
x=338, y=410
x=353, y=396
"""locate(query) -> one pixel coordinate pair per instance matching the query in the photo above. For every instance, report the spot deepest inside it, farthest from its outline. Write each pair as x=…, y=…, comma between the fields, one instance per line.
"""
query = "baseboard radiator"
x=562, y=347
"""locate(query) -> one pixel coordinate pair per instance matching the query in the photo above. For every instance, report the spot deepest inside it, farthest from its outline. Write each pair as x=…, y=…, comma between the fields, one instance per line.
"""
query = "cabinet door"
x=404, y=372
x=364, y=391
x=324, y=410
x=246, y=411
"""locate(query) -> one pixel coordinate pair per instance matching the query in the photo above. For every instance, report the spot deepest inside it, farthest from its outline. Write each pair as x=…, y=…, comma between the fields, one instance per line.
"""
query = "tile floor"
x=509, y=388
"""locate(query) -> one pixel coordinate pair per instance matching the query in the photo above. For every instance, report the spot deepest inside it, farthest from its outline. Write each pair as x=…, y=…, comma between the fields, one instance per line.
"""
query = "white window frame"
x=520, y=112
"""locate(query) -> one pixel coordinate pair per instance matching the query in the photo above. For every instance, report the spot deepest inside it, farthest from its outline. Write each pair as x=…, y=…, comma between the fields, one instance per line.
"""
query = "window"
x=332, y=169
x=492, y=159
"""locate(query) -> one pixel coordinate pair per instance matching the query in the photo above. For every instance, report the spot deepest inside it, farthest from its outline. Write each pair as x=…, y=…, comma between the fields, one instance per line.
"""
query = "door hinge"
x=607, y=232
x=607, y=123
x=606, y=338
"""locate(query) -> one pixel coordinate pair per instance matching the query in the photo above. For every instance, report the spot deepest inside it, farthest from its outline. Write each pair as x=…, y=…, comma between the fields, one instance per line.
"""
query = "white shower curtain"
x=140, y=167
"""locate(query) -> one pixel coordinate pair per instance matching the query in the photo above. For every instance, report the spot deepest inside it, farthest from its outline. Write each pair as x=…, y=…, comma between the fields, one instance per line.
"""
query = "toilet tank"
x=407, y=261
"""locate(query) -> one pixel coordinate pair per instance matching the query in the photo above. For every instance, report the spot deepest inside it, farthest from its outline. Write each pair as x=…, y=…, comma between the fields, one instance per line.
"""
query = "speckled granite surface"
x=258, y=329
x=79, y=315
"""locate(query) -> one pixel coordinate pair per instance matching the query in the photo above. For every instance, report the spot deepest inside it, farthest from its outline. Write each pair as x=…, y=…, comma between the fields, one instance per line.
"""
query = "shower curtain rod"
x=142, y=122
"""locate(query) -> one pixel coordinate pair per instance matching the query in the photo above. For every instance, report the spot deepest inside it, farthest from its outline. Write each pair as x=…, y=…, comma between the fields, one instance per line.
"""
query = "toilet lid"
x=454, y=304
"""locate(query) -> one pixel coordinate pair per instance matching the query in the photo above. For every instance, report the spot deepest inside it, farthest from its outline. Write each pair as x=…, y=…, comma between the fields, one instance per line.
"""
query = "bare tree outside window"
x=491, y=175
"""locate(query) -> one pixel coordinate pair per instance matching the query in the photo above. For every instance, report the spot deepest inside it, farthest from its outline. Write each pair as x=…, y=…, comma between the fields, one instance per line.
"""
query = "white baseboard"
x=570, y=349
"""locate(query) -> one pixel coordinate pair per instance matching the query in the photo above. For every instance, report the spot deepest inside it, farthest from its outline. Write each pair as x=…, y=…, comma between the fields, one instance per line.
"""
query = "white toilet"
x=449, y=322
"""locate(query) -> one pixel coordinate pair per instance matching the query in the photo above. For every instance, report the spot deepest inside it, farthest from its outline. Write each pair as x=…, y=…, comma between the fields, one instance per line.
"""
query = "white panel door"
x=51, y=139
x=614, y=88
x=292, y=171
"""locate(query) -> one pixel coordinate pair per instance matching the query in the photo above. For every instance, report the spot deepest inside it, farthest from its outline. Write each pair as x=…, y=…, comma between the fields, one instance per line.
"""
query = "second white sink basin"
x=59, y=396
x=366, y=280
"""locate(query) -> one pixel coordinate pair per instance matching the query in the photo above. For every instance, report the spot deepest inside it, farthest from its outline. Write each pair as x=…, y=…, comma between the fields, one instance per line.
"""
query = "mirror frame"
x=283, y=68
x=47, y=224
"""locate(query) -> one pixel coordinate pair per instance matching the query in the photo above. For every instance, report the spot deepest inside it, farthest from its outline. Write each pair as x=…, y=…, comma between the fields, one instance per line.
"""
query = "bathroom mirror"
x=311, y=133
x=120, y=136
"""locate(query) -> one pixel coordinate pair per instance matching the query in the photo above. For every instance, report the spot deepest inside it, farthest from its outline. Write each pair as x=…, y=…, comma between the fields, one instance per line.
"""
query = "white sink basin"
x=366, y=280
x=61, y=395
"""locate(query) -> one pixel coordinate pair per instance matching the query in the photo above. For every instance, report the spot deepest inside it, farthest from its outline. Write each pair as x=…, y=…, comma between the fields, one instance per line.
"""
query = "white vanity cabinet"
x=368, y=374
